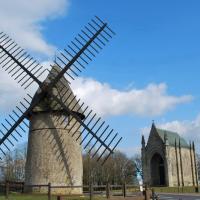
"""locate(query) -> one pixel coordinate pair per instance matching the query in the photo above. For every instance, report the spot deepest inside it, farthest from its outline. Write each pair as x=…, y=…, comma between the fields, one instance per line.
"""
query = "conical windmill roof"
x=63, y=92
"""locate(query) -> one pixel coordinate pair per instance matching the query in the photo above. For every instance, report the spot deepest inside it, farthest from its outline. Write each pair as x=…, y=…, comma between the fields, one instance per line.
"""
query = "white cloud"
x=10, y=92
x=186, y=128
x=152, y=100
x=22, y=19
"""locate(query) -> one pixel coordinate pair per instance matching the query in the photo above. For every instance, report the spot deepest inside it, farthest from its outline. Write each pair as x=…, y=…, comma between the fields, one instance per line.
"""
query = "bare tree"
x=13, y=165
x=117, y=170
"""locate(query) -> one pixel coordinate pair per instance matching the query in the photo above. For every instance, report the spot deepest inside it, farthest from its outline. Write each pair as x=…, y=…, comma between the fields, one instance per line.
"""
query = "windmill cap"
x=62, y=91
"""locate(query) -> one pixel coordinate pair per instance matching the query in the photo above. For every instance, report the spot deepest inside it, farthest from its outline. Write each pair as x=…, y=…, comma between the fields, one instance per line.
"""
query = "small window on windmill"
x=66, y=120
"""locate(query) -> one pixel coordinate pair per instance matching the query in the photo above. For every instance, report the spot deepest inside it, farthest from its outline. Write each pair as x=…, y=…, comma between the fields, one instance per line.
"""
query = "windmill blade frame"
x=76, y=57
x=74, y=115
x=12, y=54
x=18, y=64
x=90, y=132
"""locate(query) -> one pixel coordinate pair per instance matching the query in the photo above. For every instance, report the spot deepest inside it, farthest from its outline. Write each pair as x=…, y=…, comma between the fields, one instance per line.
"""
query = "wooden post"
x=7, y=189
x=124, y=190
x=59, y=198
x=153, y=195
x=91, y=191
x=49, y=191
x=23, y=187
x=108, y=190
x=146, y=193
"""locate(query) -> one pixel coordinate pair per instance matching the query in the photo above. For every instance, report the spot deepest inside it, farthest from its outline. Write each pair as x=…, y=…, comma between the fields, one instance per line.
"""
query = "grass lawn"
x=25, y=197
x=186, y=189
x=16, y=196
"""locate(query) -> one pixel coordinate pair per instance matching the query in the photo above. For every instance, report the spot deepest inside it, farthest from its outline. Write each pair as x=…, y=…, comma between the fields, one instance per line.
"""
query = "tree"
x=13, y=165
x=117, y=170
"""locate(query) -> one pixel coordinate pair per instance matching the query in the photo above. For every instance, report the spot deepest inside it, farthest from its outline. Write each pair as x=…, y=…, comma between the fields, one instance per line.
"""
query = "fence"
x=90, y=191
x=107, y=191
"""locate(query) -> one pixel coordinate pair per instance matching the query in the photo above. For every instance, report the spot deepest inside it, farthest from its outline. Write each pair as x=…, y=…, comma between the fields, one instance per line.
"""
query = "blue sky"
x=157, y=43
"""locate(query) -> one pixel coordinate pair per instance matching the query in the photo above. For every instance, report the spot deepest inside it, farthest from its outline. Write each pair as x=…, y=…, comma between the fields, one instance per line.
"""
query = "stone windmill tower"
x=53, y=156
x=59, y=124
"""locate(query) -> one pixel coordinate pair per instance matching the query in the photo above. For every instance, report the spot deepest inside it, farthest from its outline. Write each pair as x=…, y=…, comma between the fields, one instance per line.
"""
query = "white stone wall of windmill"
x=53, y=156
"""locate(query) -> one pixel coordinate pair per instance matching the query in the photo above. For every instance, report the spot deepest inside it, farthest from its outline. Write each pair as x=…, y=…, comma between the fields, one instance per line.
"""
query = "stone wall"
x=53, y=155
x=181, y=175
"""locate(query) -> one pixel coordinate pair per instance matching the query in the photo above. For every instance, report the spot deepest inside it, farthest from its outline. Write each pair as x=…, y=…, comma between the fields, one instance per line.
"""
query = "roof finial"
x=143, y=140
x=153, y=124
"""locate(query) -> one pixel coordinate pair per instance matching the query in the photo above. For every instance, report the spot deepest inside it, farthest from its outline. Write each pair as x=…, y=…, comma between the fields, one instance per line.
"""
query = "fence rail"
x=88, y=190
x=106, y=191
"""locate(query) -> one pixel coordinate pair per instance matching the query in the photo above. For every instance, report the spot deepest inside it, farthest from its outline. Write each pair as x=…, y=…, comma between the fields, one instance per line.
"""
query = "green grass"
x=188, y=189
x=25, y=197
x=17, y=196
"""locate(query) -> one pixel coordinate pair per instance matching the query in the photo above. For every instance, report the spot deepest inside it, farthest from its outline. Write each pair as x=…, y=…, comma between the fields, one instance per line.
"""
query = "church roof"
x=172, y=136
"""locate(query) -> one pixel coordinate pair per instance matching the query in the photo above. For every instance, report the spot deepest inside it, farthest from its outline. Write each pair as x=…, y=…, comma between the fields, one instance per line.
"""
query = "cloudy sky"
x=149, y=71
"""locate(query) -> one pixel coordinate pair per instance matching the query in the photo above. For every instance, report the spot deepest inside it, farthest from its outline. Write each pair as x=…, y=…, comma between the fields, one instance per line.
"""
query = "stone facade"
x=53, y=155
x=167, y=160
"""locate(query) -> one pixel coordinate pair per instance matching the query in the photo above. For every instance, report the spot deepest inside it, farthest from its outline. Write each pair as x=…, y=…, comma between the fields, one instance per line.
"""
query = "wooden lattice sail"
x=59, y=122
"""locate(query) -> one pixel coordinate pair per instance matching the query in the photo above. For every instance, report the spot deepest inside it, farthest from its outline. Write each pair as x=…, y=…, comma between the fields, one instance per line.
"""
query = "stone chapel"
x=168, y=160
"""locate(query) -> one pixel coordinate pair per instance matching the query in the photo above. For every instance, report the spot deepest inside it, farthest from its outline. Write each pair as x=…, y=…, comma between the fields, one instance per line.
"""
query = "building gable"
x=154, y=136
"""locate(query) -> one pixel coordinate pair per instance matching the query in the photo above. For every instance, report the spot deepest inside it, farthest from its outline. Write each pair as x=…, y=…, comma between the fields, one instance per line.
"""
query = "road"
x=178, y=197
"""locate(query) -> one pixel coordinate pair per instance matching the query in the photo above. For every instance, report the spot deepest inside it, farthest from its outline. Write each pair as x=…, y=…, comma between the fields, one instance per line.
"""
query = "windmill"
x=59, y=122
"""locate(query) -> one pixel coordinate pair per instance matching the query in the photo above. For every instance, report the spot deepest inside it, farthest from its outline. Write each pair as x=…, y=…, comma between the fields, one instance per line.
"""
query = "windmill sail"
x=20, y=65
x=94, y=134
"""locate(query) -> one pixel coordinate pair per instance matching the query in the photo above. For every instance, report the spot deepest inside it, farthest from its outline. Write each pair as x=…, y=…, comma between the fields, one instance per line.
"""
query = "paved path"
x=179, y=196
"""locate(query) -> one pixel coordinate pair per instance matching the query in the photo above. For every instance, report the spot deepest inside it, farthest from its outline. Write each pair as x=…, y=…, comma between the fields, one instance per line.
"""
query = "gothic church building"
x=167, y=160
